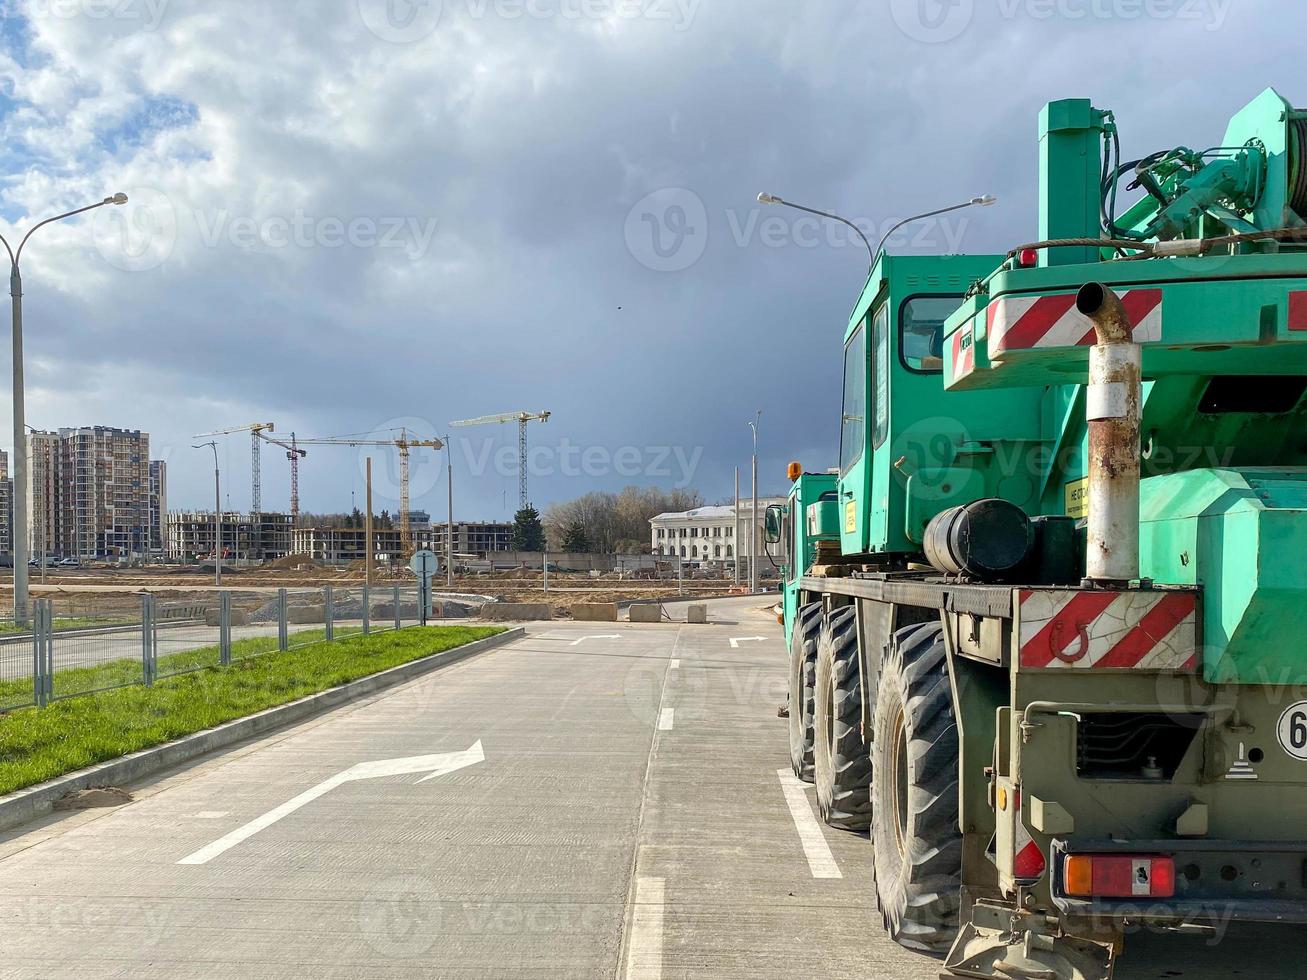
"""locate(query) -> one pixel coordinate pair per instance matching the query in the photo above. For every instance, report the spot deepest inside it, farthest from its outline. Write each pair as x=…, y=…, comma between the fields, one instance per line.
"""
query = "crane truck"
x=1046, y=619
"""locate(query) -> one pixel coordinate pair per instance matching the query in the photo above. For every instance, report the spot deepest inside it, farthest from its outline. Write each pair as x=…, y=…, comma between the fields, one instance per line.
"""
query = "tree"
x=615, y=522
x=575, y=541
x=528, y=532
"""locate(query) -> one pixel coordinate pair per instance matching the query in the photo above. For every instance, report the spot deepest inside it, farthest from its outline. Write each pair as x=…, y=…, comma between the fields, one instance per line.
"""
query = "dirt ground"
x=102, y=590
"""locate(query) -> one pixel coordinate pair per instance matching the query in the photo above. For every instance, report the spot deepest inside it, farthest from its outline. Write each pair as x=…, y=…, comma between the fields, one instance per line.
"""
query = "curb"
x=24, y=805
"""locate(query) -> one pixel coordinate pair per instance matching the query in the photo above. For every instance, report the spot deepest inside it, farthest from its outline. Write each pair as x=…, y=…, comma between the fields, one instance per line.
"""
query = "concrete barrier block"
x=300, y=615
x=517, y=611
x=697, y=613
x=239, y=617
x=595, y=612
x=646, y=612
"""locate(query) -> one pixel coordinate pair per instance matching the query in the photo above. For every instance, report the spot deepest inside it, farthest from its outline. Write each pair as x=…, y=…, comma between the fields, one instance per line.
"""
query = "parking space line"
x=675, y=664
x=821, y=862
x=644, y=950
x=666, y=717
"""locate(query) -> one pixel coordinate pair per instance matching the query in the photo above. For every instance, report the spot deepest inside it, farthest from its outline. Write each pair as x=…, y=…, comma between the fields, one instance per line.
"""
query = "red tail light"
x=1119, y=876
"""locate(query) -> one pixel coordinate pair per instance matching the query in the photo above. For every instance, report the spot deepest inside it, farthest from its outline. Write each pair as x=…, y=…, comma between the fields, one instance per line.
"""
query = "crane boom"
x=402, y=443
x=521, y=418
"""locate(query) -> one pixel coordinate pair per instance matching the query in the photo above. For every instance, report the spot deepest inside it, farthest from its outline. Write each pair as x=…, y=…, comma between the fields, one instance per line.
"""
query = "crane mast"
x=521, y=418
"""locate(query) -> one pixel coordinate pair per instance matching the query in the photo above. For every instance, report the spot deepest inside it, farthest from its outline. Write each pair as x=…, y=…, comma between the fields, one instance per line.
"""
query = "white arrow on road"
x=605, y=636
x=433, y=765
x=737, y=640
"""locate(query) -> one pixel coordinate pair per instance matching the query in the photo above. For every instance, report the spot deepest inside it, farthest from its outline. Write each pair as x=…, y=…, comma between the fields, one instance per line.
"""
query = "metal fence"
x=65, y=651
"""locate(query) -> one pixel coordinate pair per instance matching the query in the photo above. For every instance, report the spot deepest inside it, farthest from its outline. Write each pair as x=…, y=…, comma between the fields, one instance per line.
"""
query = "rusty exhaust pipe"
x=1112, y=410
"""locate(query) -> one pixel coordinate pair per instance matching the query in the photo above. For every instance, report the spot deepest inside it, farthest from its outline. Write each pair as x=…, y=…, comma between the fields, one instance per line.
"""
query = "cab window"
x=855, y=397
x=921, y=332
x=880, y=362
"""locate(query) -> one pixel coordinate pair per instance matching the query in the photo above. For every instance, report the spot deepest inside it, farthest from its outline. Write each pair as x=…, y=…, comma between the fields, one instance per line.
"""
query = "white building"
x=707, y=533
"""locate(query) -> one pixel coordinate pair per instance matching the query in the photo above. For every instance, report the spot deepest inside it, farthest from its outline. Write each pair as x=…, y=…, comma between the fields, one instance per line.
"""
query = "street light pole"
x=19, y=530
x=449, y=536
x=217, y=515
x=753, y=514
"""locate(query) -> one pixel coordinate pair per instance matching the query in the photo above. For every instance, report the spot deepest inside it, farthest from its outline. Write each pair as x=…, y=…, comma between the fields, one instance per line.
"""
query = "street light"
x=217, y=514
x=984, y=201
x=753, y=514
x=19, y=529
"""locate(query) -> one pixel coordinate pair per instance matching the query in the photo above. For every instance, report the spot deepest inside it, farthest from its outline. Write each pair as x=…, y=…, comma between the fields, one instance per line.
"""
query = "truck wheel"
x=803, y=666
x=914, y=753
x=841, y=765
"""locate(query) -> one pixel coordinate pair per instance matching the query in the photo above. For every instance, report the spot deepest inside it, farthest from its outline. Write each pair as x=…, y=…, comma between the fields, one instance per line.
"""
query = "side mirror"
x=772, y=523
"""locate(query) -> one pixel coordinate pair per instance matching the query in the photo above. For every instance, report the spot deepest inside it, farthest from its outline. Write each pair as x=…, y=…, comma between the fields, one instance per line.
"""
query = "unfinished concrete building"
x=191, y=535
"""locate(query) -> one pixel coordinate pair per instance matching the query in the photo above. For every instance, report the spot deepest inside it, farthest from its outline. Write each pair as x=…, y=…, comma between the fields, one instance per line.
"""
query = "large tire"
x=841, y=765
x=914, y=752
x=803, y=667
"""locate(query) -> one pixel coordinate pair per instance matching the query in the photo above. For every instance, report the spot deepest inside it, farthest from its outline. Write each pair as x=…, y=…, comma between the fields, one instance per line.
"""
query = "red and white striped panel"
x=1035, y=322
x=1027, y=859
x=1062, y=628
x=964, y=357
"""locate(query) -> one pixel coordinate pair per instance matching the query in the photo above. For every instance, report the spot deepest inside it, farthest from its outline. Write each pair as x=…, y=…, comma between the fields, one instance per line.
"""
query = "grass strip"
x=39, y=744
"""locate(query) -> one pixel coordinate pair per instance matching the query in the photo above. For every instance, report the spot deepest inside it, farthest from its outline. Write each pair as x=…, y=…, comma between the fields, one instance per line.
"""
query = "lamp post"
x=984, y=201
x=449, y=536
x=217, y=514
x=19, y=529
x=753, y=514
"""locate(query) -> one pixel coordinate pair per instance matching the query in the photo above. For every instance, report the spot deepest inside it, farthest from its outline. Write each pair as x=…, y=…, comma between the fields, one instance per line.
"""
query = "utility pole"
x=737, y=525
x=217, y=514
x=449, y=536
x=753, y=515
x=367, y=530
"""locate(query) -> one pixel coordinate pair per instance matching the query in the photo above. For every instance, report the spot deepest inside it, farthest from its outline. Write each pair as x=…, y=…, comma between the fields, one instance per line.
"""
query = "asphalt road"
x=596, y=800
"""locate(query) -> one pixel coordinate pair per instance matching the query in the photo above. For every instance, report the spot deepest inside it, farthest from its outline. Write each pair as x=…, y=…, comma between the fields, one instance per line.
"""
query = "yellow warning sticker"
x=1077, y=498
x=851, y=517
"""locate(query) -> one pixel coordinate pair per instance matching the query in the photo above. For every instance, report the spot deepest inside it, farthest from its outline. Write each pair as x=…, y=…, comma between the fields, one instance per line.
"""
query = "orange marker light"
x=794, y=470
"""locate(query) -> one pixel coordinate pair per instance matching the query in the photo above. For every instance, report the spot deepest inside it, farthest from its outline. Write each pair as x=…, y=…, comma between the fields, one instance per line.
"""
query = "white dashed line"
x=665, y=719
x=821, y=862
x=644, y=952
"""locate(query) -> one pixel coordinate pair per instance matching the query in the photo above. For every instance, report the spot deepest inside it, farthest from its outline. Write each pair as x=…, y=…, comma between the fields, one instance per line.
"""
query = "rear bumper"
x=1215, y=880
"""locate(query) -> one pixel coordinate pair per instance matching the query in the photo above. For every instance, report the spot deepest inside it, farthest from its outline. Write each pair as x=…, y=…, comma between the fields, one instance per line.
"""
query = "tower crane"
x=293, y=453
x=404, y=443
x=521, y=418
x=256, y=430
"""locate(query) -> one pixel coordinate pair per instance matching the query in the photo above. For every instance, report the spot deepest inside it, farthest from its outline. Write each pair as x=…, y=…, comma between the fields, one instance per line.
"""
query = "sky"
x=348, y=216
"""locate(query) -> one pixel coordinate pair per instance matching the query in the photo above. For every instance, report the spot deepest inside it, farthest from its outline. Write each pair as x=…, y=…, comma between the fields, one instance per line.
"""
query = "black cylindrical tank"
x=985, y=539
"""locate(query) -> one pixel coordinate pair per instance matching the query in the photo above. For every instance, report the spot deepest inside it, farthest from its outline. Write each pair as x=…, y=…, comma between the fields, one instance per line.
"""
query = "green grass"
x=39, y=744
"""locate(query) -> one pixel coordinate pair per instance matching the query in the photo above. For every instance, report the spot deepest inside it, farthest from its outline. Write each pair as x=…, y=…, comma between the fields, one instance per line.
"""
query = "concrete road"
x=597, y=800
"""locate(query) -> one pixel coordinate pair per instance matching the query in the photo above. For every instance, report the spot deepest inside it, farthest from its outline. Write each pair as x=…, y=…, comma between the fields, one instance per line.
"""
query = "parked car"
x=70, y=563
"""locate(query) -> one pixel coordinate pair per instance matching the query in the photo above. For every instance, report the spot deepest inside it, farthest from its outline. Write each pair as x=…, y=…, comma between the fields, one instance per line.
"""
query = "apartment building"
x=158, y=517
x=343, y=544
x=90, y=492
x=6, y=506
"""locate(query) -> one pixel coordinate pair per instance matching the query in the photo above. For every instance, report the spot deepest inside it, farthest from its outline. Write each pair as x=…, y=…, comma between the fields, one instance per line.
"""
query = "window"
x=716, y=551
x=921, y=332
x=855, y=396
x=880, y=363
x=730, y=552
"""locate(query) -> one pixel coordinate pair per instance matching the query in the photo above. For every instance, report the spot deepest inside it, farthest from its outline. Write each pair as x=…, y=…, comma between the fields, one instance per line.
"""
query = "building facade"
x=6, y=506
x=90, y=493
x=343, y=544
x=158, y=518
x=707, y=533
x=190, y=535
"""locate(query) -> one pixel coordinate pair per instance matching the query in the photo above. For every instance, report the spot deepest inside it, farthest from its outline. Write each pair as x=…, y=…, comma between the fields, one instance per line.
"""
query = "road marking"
x=434, y=765
x=675, y=664
x=821, y=862
x=665, y=719
x=737, y=640
x=644, y=952
x=602, y=636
